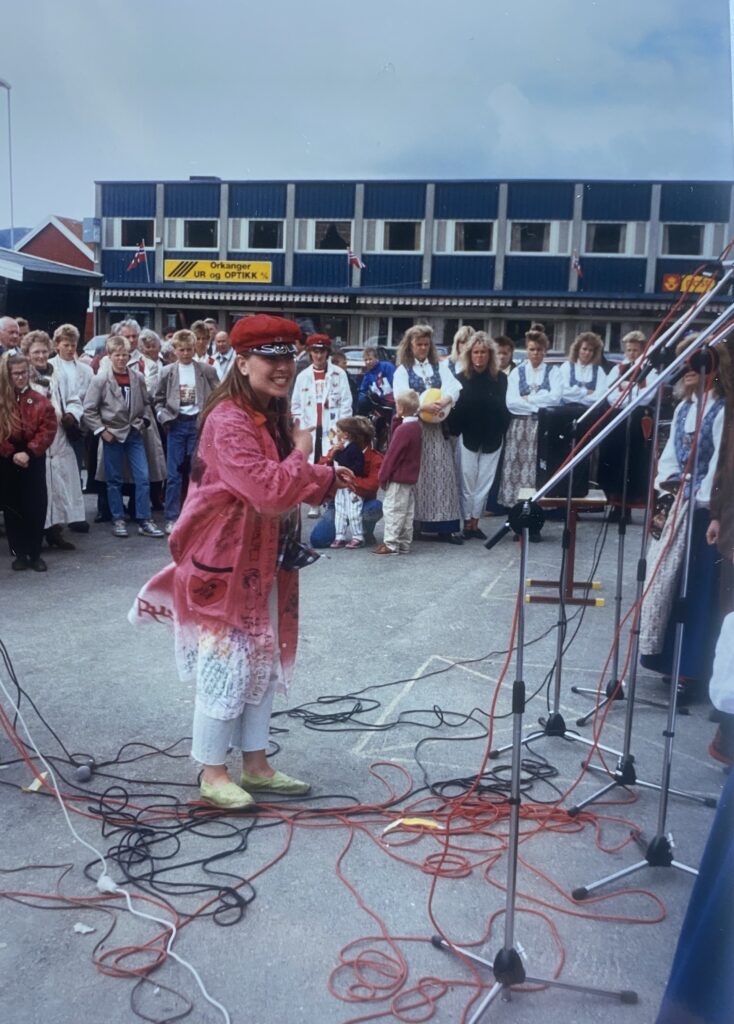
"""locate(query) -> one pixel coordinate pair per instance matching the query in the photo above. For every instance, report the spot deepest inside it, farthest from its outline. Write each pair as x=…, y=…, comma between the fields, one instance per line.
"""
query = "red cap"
x=266, y=335
x=318, y=341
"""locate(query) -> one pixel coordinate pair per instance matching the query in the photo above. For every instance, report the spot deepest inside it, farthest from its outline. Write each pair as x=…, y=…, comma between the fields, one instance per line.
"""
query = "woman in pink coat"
x=232, y=590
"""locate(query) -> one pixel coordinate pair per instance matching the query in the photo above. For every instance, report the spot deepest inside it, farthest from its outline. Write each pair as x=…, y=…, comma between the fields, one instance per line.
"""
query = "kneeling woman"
x=232, y=590
x=531, y=386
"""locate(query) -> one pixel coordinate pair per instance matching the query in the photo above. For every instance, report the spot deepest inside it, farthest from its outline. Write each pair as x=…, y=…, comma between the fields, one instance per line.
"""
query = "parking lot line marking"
x=389, y=708
x=490, y=586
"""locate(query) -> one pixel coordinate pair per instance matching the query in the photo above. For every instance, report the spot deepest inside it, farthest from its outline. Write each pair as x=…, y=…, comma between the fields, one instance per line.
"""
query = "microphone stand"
x=659, y=851
x=507, y=967
x=625, y=773
x=555, y=724
x=615, y=687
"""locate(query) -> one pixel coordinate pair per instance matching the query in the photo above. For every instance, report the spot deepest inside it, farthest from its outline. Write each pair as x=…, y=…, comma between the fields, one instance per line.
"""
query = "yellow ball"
x=427, y=398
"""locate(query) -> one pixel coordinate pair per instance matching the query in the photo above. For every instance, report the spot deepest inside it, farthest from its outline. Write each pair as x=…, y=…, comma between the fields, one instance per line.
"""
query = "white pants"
x=398, y=509
x=348, y=512
x=212, y=737
x=477, y=476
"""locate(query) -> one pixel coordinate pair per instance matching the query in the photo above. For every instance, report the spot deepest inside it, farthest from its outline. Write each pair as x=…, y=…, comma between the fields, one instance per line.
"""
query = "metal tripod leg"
x=622, y=996
x=554, y=726
x=626, y=777
x=507, y=967
x=614, y=691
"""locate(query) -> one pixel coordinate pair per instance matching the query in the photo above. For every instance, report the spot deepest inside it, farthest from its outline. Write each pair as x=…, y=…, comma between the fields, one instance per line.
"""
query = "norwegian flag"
x=576, y=264
x=353, y=260
x=139, y=257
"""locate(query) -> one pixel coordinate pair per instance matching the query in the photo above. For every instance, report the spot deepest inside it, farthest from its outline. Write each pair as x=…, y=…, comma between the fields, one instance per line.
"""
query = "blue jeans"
x=115, y=453
x=180, y=447
x=324, y=532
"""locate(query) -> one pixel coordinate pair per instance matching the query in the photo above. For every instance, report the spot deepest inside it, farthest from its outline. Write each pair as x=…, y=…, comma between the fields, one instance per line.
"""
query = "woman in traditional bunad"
x=232, y=590
x=63, y=486
x=666, y=550
x=531, y=386
x=437, y=501
x=583, y=380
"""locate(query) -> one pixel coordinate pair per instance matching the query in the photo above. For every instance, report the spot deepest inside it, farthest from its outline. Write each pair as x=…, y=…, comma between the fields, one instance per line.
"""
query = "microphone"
x=704, y=360
x=85, y=771
x=502, y=532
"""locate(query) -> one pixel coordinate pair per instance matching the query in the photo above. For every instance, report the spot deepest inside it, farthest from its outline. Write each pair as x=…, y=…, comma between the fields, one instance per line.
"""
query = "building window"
x=265, y=234
x=201, y=234
x=532, y=236
x=473, y=236
x=683, y=240
x=332, y=234
x=606, y=238
x=464, y=236
x=401, y=236
x=133, y=232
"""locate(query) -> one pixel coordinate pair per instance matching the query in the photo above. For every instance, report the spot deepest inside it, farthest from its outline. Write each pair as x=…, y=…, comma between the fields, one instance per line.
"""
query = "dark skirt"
x=703, y=618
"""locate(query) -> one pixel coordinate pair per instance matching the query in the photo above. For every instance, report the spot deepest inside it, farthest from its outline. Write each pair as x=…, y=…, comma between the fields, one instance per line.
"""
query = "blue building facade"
x=602, y=255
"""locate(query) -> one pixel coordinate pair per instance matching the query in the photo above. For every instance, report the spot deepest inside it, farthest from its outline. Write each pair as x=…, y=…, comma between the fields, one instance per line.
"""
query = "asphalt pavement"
x=321, y=910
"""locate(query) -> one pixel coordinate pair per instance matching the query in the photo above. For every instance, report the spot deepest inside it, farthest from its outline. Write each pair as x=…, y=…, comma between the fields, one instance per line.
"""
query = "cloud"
x=573, y=88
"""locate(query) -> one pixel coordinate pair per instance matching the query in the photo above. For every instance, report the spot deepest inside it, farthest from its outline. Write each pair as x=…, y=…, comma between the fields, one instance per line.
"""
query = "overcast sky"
x=162, y=89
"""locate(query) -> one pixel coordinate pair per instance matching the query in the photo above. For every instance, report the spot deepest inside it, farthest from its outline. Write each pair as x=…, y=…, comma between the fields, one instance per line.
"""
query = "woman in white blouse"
x=437, y=509
x=531, y=386
x=583, y=380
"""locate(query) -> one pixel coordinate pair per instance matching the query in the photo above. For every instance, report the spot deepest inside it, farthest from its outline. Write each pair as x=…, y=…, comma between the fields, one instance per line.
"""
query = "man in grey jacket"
x=117, y=408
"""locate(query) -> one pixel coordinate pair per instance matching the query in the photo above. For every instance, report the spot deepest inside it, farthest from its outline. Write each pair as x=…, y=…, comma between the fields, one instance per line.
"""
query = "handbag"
x=663, y=504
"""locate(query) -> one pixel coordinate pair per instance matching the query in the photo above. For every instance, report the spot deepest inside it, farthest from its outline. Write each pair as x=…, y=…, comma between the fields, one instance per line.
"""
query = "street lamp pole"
x=6, y=85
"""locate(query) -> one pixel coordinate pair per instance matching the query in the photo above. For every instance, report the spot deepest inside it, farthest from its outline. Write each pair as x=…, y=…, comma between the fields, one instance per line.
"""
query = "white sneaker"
x=149, y=529
x=170, y=523
x=119, y=529
x=314, y=512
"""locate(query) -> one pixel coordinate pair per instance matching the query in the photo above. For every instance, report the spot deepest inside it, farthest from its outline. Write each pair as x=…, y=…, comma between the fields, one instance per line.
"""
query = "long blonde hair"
x=405, y=357
x=9, y=418
x=236, y=386
x=478, y=340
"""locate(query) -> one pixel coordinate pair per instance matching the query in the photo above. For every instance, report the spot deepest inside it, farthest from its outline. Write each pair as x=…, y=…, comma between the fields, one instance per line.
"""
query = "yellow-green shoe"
x=278, y=783
x=229, y=796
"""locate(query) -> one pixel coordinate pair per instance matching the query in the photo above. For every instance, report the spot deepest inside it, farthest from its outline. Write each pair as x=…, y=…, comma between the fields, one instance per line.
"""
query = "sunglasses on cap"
x=275, y=351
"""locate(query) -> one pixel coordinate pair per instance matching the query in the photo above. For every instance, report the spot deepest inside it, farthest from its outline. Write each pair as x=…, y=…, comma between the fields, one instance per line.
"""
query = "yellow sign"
x=697, y=283
x=220, y=271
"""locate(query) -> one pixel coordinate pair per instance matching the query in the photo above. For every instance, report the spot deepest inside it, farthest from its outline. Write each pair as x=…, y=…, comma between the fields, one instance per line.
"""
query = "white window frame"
x=175, y=226
x=310, y=232
x=450, y=227
x=244, y=231
x=379, y=229
x=114, y=225
x=630, y=240
x=710, y=230
x=556, y=228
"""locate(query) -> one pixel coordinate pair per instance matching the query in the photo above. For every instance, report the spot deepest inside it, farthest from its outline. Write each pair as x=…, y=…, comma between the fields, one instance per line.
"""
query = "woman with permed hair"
x=480, y=419
x=437, y=505
x=583, y=380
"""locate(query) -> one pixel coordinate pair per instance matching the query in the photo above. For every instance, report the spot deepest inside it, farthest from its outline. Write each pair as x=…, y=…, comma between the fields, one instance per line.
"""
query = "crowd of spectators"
x=434, y=445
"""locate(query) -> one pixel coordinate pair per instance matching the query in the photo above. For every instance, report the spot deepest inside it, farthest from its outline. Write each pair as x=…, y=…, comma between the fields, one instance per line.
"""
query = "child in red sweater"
x=399, y=475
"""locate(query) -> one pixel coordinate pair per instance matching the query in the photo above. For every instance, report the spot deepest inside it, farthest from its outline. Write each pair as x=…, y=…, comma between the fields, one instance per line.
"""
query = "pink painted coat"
x=225, y=542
